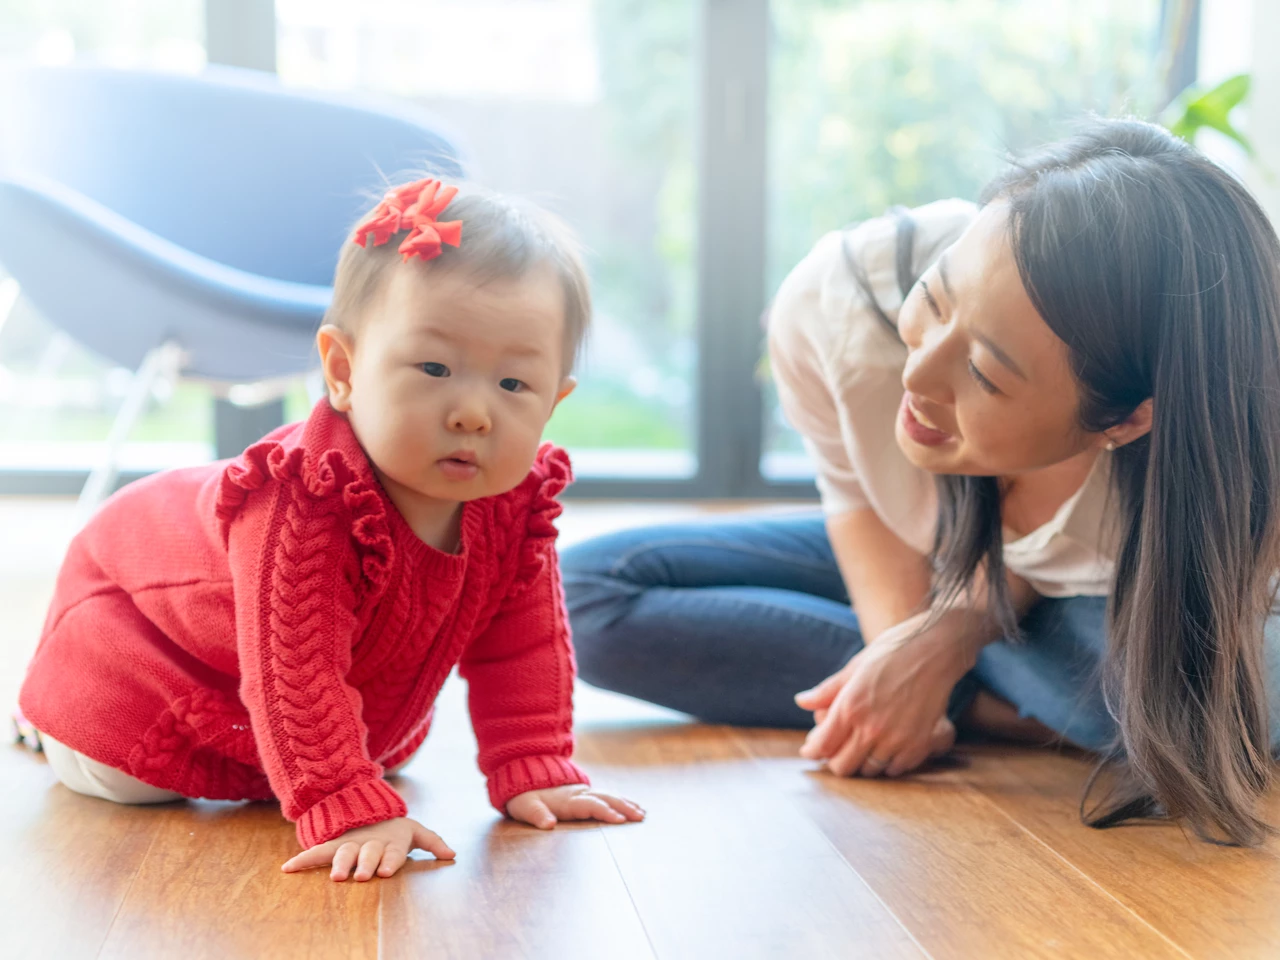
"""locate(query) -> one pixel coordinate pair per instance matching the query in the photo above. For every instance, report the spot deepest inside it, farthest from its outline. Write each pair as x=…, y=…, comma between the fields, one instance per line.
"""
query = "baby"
x=280, y=625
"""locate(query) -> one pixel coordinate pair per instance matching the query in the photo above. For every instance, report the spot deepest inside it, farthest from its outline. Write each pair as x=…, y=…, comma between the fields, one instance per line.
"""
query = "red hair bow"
x=413, y=207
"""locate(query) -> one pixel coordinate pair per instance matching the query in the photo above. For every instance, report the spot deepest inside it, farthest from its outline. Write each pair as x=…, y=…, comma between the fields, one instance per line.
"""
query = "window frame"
x=733, y=47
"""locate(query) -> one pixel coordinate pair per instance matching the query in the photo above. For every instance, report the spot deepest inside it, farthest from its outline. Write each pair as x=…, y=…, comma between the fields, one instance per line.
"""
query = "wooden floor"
x=746, y=852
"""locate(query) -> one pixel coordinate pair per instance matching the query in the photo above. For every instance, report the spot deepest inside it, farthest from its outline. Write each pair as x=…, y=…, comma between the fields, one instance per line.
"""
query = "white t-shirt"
x=838, y=369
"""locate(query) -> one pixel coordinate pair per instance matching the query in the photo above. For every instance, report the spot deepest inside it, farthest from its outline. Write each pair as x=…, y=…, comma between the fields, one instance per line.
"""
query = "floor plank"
x=210, y=887
x=1177, y=884
x=723, y=866
x=69, y=862
x=514, y=891
x=964, y=878
x=746, y=852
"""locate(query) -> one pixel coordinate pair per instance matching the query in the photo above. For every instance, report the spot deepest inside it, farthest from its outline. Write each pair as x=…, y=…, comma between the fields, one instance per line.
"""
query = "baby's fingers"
x=430, y=841
x=320, y=855
x=531, y=808
x=630, y=810
x=371, y=852
x=392, y=860
x=344, y=860
x=588, y=806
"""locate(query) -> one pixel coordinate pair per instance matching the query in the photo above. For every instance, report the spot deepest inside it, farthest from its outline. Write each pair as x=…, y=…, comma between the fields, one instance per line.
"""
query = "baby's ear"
x=336, y=353
x=567, y=386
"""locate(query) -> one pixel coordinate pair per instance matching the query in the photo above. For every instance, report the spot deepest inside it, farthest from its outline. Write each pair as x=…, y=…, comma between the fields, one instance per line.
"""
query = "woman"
x=1049, y=470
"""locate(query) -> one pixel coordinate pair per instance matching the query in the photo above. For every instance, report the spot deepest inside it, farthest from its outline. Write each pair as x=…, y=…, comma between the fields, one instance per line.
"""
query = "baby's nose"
x=469, y=418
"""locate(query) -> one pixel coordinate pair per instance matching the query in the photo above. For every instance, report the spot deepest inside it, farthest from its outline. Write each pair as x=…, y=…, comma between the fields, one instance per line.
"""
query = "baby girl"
x=280, y=625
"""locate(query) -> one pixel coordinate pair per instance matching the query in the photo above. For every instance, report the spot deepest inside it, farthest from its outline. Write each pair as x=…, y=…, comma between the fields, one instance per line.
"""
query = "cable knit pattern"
x=336, y=629
x=204, y=719
x=271, y=460
x=306, y=654
x=525, y=730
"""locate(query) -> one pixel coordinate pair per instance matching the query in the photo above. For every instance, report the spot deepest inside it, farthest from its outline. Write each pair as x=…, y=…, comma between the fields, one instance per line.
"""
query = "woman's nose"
x=924, y=373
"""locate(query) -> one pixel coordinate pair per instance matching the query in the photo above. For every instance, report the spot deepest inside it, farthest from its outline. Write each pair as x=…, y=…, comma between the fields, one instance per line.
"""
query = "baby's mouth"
x=459, y=465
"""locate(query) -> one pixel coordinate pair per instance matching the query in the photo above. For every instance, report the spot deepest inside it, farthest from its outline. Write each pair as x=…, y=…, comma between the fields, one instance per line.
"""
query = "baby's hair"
x=502, y=239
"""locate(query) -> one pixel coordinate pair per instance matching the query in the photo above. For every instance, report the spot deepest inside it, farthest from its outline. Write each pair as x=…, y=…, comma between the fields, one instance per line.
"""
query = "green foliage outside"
x=1197, y=109
x=872, y=103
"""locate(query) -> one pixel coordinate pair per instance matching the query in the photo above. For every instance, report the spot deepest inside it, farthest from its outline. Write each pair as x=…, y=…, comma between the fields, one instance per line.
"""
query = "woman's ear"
x=337, y=352
x=1137, y=426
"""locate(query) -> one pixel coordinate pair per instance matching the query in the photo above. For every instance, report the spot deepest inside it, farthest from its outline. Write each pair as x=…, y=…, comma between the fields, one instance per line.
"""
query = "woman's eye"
x=512, y=385
x=928, y=296
x=435, y=369
x=983, y=382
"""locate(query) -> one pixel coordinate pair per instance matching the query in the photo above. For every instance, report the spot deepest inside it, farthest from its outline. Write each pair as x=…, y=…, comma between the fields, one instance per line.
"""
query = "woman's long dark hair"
x=1161, y=273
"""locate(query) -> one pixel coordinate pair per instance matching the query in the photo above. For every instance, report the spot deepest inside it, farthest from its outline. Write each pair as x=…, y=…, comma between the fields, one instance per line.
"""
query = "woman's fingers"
x=826, y=738
x=430, y=841
x=913, y=755
x=343, y=860
x=852, y=755
x=822, y=695
x=907, y=759
x=367, y=861
x=943, y=737
x=393, y=859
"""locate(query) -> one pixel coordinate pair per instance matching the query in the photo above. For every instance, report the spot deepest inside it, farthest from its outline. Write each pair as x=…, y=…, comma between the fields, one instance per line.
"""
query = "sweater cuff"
x=362, y=803
x=531, y=773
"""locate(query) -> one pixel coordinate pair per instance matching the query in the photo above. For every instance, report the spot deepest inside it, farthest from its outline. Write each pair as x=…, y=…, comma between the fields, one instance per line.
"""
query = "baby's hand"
x=575, y=801
x=380, y=847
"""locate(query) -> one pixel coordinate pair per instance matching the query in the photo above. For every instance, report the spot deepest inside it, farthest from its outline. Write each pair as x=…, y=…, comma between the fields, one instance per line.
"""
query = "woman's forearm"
x=976, y=627
x=887, y=580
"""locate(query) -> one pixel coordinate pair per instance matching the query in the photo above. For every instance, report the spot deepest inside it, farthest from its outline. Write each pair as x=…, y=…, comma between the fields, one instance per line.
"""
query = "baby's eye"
x=434, y=369
x=512, y=385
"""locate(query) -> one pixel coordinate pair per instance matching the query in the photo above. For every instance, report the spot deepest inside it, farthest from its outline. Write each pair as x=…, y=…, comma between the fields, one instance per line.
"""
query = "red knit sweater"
x=271, y=626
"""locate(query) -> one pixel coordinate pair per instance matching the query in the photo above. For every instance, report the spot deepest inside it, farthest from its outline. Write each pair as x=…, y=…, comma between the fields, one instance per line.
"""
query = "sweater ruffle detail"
x=357, y=805
x=532, y=773
x=551, y=474
x=320, y=477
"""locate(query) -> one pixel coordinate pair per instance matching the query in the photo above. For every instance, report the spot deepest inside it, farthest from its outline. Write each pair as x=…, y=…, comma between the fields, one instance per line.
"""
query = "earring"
x=1111, y=446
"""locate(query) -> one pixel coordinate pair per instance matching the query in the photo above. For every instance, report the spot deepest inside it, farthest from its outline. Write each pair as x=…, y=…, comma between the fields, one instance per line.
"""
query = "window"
x=585, y=106
x=57, y=400
x=698, y=147
x=884, y=102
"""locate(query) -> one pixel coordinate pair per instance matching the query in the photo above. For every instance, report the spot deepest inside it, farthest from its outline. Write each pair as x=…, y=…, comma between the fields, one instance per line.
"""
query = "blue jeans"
x=728, y=621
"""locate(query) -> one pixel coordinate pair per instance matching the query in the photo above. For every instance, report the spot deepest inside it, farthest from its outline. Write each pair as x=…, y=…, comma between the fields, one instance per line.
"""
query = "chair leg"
x=162, y=363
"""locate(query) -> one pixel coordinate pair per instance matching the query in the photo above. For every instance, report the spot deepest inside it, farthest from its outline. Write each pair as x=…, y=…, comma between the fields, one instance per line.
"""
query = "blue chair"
x=190, y=225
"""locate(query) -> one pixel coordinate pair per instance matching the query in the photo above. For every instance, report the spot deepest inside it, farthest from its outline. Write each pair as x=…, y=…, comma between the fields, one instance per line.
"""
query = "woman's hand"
x=380, y=848
x=575, y=801
x=883, y=713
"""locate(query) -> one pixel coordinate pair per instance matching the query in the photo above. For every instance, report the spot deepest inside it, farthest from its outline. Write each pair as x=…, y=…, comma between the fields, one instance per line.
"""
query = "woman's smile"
x=920, y=428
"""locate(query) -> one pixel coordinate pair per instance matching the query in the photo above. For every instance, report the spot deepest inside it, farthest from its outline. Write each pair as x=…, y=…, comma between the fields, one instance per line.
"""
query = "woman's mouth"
x=459, y=465
x=920, y=428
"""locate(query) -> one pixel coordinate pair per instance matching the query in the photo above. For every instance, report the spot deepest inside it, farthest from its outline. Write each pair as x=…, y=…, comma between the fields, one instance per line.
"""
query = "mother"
x=1050, y=471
